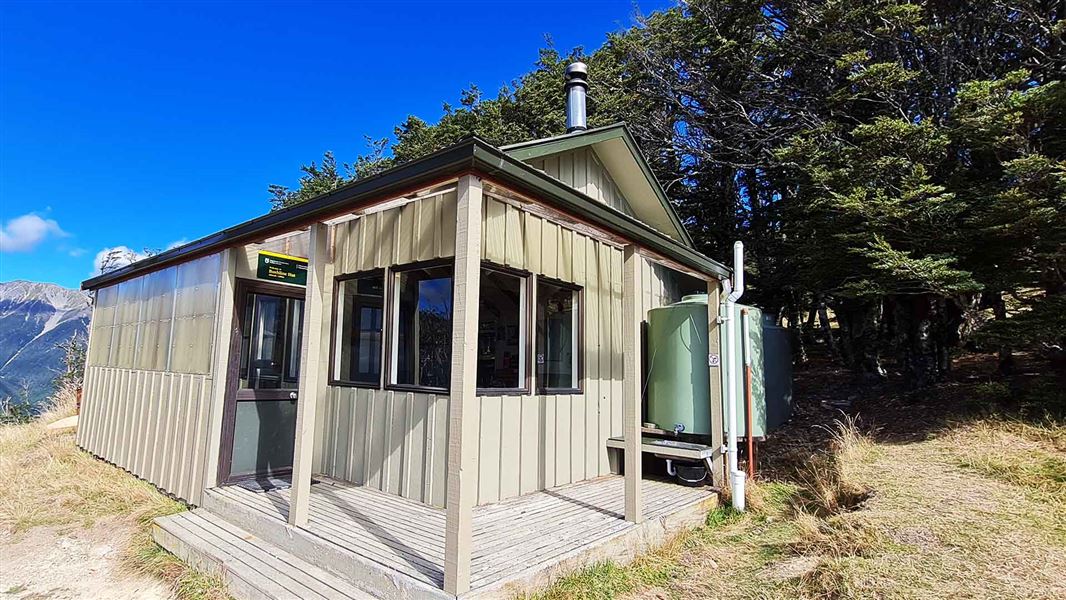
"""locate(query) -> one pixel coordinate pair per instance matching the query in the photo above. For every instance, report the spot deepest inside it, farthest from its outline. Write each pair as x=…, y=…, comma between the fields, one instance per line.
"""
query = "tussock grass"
x=46, y=480
x=828, y=484
x=146, y=557
x=868, y=519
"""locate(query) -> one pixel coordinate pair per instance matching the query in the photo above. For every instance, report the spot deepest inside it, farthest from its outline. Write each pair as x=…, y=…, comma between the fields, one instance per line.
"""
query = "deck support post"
x=462, y=429
x=227, y=321
x=632, y=316
x=714, y=349
x=311, y=356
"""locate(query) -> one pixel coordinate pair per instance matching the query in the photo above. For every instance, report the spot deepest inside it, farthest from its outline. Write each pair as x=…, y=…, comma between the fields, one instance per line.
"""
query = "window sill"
x=502, y=392
x=401, y=387
x=354, y=384
x=560, y=392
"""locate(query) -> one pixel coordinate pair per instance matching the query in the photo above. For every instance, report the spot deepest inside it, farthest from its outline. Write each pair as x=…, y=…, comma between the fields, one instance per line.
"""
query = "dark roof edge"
x=502, y=165
x=471, y=153
x=451, y=160
x=571, y=141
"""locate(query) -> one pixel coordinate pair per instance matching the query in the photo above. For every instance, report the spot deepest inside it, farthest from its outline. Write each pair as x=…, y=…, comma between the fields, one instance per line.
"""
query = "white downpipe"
x=733, y=293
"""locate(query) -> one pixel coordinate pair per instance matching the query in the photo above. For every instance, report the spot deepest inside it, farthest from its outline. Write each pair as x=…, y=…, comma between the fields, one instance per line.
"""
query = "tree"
x=897, y=163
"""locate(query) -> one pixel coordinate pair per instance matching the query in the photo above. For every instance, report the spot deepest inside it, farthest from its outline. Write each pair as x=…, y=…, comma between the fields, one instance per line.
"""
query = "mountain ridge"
x=34, y=318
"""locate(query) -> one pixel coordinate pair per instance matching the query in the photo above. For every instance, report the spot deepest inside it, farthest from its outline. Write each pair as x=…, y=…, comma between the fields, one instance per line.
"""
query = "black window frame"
x=391, y=324
x=528, y=381
x=579, y=342
x=335, y=324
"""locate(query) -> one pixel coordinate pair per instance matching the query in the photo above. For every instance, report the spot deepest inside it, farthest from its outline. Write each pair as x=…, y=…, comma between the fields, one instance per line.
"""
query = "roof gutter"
x=470, y=154
x=452, y=160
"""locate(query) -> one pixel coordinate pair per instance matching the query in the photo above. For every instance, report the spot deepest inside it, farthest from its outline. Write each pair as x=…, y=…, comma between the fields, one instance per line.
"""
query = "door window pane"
x=422, y=334
x=557, y=330
x=501, y=331
x=270, y=344
x=361, y=304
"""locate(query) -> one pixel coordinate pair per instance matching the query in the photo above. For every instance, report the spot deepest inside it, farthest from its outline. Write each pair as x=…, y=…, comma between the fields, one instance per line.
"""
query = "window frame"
x=335, y=325
x=579, y=334
x=527, y=380
x=393, y=324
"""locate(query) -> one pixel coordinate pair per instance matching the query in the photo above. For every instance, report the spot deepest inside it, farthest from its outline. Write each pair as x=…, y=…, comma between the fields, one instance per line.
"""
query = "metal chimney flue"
x=577, y=86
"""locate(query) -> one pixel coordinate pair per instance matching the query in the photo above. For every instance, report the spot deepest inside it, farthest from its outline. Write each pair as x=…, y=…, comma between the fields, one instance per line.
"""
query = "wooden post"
x=632, y=315
x=313, y=352
x=714, y=348
x=462, y=430
x=220, y=365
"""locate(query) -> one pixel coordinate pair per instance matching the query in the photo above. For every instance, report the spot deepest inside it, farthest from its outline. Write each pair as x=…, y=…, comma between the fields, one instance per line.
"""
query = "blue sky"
x=145, y=125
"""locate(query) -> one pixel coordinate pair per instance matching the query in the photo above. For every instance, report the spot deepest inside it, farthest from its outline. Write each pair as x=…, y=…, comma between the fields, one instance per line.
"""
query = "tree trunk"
x=860, y=322
x=823, y=322
x=1006, y=354
x=795, y=324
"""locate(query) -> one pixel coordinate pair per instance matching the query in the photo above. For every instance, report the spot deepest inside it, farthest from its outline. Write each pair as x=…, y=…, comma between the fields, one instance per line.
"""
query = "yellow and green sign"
x=282, y=267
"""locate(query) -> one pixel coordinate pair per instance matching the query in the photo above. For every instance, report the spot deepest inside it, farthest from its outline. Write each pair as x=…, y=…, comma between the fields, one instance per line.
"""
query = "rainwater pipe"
x=733, y=293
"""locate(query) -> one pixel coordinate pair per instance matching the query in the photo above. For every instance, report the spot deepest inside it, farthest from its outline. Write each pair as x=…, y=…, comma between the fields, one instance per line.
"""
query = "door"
x=263, y=381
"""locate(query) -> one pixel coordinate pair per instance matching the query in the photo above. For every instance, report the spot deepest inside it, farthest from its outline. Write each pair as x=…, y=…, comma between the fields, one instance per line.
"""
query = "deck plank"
x=509, y=536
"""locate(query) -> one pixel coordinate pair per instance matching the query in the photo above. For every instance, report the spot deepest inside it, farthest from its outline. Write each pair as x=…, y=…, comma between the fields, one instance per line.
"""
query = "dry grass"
x=867, y=519
x=45, y=480
x=828, y=482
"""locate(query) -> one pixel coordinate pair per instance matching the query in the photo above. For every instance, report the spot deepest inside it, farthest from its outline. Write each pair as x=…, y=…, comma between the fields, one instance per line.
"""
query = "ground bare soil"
x=74, y=562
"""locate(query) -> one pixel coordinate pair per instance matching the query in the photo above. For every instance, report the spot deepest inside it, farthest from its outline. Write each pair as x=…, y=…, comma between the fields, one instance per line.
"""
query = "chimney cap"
x=577, y=72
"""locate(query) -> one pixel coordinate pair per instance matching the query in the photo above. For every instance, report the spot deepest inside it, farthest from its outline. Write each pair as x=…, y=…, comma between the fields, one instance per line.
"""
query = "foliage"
x=899, y=163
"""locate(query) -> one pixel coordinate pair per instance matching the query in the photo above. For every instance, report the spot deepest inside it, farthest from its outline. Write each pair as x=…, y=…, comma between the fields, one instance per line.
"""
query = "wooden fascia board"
x=537, y=149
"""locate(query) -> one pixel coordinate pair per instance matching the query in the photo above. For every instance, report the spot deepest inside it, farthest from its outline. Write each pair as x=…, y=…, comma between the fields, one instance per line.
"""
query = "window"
x=557, y=336
x=357, y=341
x=270, y=342
x=422, y=327
x=501, y=336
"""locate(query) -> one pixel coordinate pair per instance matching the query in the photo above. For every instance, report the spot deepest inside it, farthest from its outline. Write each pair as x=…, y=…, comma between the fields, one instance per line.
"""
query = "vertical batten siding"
x=393, y=441
x=148, y=379
x=147, y=422
x=582, y=170
x=535, y=442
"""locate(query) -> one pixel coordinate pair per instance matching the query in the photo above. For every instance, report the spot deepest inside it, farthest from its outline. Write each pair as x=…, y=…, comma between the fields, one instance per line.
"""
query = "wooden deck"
x=517, y=543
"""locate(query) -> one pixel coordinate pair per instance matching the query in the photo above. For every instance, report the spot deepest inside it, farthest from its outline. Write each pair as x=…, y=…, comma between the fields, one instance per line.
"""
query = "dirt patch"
x=73, y=562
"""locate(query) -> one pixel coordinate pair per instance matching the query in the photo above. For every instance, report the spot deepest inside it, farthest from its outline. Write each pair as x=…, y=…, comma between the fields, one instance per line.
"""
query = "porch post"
x=462, y=429
x=714, y=348
x=220, y=364
x=632, y=315
x=312, y=355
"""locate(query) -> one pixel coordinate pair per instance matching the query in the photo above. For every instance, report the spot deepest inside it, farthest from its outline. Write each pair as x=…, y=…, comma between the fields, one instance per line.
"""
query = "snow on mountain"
x=34, y=318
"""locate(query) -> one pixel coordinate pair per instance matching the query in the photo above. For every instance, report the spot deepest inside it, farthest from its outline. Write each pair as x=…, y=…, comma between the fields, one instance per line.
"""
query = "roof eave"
x=571, y=141
x=470, y=154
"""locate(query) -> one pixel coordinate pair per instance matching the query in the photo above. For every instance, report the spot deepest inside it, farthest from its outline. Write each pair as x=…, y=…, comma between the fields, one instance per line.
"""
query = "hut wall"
x=148, y=380
x=392, y=441
x=583, y=171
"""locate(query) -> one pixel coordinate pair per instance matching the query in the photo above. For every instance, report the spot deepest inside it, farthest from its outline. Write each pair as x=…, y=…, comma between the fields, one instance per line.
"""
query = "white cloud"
x=23, y=233
x=177, y=243
x=114, y=258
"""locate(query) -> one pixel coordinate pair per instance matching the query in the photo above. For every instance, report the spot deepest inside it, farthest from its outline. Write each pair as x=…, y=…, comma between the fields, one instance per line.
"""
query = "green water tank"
x=678, y=380
x=678, y=389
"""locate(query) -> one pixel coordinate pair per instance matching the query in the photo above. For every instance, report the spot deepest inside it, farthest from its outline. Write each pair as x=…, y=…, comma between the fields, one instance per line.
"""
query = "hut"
x=408, y=386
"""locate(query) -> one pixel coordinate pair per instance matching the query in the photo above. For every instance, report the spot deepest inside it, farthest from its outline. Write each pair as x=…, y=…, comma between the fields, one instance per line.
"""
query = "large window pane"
x=501, y=331
x=361, y=304
x=422, y=340
x=557, y=330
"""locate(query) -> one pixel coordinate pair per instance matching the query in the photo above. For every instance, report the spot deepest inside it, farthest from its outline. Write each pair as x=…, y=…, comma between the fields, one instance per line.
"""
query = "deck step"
x=379, y=578
x=252, y=568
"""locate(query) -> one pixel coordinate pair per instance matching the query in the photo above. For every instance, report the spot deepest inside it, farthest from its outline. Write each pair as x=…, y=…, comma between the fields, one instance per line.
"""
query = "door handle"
x=293, y=396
